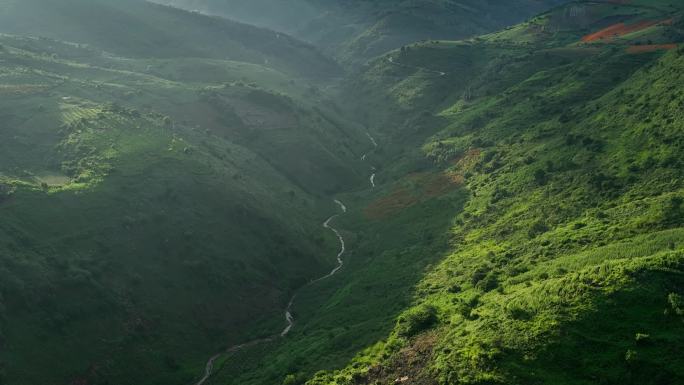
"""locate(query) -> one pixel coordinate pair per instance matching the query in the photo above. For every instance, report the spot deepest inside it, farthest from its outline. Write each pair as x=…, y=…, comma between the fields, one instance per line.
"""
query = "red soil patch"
x=440, y=184
x=650, y=48
x=617, y=30
x=468, y=160
x=418, y=187
x=388, y=205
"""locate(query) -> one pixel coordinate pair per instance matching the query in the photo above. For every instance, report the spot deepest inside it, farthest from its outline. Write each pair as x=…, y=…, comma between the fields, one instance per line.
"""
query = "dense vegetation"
x=161, y=196
x=357, y=30
x=142, y=29
x=565, y=265
x=143, y=198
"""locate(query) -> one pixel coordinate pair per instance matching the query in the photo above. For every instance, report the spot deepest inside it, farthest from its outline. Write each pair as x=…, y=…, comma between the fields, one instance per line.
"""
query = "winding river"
x=340, y=262
x=289, y=318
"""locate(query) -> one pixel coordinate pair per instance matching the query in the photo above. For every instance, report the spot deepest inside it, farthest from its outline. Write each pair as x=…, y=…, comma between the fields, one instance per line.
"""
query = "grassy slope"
x=355, y=31
x=505, y=274
x=565, y=263
x=133, y=229
x=142, y=29
x=504, y=249
x=338, y=317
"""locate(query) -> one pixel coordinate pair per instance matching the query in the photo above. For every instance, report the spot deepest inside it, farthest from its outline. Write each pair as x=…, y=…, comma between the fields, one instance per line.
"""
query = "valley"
x=172, y=185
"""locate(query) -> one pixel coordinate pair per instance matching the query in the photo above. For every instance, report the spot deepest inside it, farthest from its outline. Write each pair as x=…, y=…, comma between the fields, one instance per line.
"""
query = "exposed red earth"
x=418, y=188
x=621, y=29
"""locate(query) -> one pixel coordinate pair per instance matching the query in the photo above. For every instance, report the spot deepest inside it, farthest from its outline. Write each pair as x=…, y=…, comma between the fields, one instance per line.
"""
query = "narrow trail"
x=391, y=61
x=289, y=318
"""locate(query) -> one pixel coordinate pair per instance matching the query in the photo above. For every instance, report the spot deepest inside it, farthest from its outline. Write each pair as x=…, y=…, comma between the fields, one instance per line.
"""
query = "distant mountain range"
x=357, y=30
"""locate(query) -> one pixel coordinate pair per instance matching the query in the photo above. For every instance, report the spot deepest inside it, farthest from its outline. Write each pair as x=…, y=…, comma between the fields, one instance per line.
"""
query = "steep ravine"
x=289, y=318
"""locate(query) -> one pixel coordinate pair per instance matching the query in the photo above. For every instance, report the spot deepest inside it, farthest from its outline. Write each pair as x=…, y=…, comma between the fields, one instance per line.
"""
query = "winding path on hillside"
x=289, y=318
x=391, y=61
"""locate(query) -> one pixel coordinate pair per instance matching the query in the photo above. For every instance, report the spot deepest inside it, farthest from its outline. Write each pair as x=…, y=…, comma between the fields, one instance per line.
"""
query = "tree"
x=676, y=302
x=416, y=320
x=538, y=227
x=540, y=176
x=672, y=211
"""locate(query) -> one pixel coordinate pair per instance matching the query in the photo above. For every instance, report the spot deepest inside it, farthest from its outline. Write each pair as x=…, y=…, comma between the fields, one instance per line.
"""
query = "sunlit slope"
x=451, y=74
x=565, y=264
x=526, y=226
x=142, y=29
x=142, y=204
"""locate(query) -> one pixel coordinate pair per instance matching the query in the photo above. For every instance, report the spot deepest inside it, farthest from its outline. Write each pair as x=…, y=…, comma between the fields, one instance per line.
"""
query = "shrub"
x=630, y=356
x=540, y=176
x=642, y=339
x=676, y=302
x=416, y=320
x=538, y=227
x=463, y=309
x=489, y=283
x=672, y=211
x=579, y=225
x=294, y=379
x=518, y=313
x=479, y=274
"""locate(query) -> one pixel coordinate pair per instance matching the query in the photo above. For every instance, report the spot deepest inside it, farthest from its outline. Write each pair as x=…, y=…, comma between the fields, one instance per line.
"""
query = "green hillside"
x=136, y=28
x=534, y=237
x=164, y=176
x=565, y=264
x=357, y=30
x=144, y=198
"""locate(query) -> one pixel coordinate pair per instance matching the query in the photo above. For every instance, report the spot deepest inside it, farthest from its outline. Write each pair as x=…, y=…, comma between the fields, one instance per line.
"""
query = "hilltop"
x=354, y=31
x=136, y=28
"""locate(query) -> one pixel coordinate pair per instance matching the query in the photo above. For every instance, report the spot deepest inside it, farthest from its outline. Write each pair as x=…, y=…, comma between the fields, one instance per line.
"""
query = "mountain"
x=501, y=209
x=142, y=29
x=159, y=202
x=526, y=224
x=564, y=265
x=357, y=30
